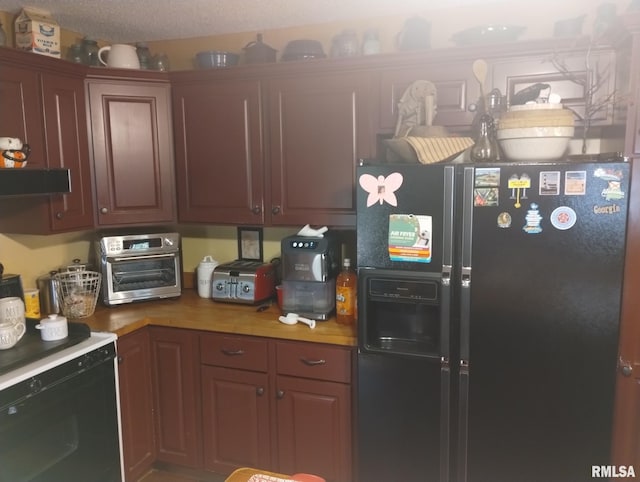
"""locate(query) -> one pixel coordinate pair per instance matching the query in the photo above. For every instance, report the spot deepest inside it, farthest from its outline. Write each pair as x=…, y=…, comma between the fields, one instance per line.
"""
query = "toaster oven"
x=140, y=267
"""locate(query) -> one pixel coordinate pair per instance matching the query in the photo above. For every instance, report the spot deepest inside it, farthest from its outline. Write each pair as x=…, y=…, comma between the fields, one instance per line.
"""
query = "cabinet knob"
x=260, y=391
x=275, y=210
x=256, y=209
x=625, y=367
x=280, y=394
x=120, y=359
x=104, y=210
x=59, y=215
x=472, y=107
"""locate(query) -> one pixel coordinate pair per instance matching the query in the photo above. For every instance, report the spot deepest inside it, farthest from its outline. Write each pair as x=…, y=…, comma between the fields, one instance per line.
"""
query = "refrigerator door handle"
x=463, y=421
x=465, y=273
x=445, y=418
x=448, y=220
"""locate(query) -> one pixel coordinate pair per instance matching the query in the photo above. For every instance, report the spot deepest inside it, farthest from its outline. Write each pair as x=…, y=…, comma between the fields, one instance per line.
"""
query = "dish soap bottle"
x=346, y=292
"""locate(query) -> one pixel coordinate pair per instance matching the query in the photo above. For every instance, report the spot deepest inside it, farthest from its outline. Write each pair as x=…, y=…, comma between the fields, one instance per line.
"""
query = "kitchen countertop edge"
x=195, y=313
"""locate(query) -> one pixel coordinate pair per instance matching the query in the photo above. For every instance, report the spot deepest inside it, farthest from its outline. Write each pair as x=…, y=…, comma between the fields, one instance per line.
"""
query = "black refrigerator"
x=489, y=304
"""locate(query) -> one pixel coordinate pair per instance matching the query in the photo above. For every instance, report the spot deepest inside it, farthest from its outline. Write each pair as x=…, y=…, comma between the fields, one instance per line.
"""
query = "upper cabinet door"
x=219, y=151
x=320, y=126
x=575, y=76
x=458, y=93
x=21, y=113
x=132, y=152
x=63, y=99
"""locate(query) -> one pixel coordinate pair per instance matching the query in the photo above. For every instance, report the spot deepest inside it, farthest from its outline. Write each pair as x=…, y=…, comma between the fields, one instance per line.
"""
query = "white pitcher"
x=121, y=56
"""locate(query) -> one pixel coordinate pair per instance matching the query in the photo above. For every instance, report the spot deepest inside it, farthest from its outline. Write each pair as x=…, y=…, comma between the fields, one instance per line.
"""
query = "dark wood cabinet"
x=136, y=403
x=258, y=148
x=219, y=151
x=313, y=400
x=588, y=69
x=458, y=92
x=275, y=405
x=176, y=382
x=48, y=106
x=626, y=433
x=132, y=151
x=320, y=125
x=235, y=402
x=63, y=100
x=21, y=107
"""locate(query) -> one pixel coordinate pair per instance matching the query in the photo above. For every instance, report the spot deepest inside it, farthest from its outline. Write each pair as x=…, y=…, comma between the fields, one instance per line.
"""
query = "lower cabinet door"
x=235, y=416
x=174, y=355
x=136, y=403
x=314, y=428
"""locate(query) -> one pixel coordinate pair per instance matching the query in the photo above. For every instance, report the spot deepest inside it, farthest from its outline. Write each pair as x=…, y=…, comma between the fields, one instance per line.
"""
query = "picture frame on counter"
x=250, y=244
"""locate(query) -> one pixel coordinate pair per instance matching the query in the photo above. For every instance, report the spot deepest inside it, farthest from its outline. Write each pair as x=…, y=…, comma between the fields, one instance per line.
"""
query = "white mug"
x=121, y=56
x=11, y=310
x=10, y=334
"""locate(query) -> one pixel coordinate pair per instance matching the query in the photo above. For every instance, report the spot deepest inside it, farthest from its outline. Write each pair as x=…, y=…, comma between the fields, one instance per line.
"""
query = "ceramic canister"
x=54, y=327
x=205, y=271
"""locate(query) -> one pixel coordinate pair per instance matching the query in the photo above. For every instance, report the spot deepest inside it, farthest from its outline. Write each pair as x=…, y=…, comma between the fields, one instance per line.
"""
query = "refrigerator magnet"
x=504, y=220
x=381, y=189
x=575, y=183
x=519, y=186
x=563, y=218
x=410, y=238
x=533, y=219
x=549, y=183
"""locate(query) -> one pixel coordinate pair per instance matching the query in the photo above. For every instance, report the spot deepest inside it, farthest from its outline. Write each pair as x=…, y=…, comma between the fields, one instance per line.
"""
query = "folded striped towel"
x=436, y=149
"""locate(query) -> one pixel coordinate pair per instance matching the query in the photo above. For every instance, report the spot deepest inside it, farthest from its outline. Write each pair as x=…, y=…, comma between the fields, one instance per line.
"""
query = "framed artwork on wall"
x=250, y=244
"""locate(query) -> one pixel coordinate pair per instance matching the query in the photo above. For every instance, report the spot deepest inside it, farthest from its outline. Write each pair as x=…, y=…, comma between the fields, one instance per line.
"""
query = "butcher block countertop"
x=191, y=311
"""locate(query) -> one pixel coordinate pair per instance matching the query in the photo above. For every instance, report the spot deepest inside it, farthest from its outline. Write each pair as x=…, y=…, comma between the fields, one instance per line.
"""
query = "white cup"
x=11, y=310
x=10, y=334
x=53, y=328
x=121, y=56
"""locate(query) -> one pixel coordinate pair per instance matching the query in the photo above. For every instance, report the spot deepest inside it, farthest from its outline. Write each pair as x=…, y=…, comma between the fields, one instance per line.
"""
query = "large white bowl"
x=535, y=143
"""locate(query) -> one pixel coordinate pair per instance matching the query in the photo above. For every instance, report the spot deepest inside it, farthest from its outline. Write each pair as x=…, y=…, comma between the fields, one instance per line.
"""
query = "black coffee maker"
x=10, y=285
x=309, y=269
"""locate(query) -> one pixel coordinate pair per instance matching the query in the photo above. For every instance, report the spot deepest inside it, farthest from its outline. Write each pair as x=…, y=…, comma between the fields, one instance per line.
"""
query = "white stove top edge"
x=96, y=340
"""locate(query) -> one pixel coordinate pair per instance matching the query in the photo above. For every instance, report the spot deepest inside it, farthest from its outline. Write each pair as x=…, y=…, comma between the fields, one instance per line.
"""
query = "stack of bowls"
x=535, y=132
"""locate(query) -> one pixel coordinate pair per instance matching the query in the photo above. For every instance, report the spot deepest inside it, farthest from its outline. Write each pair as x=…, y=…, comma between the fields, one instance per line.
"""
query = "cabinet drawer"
x=311, y=360
x=234, y=352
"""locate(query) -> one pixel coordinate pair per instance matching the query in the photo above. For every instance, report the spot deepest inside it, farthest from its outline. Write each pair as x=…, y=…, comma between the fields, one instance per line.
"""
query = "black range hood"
x=31, y=182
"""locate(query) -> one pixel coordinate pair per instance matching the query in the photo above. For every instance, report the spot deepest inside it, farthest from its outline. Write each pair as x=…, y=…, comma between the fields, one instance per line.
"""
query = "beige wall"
x=33, y=256
x=538, y=16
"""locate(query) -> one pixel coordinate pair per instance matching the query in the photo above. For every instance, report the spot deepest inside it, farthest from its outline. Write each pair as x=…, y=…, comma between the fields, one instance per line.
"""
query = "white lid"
x=208, y=260
x=54, y=318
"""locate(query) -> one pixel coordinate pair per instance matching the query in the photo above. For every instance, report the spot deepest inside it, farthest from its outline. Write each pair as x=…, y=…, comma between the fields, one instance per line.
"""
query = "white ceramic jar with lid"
x=205, y=272
x=53, y=328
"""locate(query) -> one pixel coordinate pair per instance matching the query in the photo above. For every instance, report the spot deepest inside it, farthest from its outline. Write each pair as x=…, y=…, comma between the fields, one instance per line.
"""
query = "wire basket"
x=78, y=292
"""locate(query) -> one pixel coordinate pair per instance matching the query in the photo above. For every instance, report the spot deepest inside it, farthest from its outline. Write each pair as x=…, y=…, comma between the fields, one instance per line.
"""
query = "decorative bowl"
x=303, y=49
x=535, y=143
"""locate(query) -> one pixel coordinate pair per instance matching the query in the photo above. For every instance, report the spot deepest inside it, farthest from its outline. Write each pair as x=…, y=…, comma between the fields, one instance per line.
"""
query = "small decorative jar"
x=90, y=49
